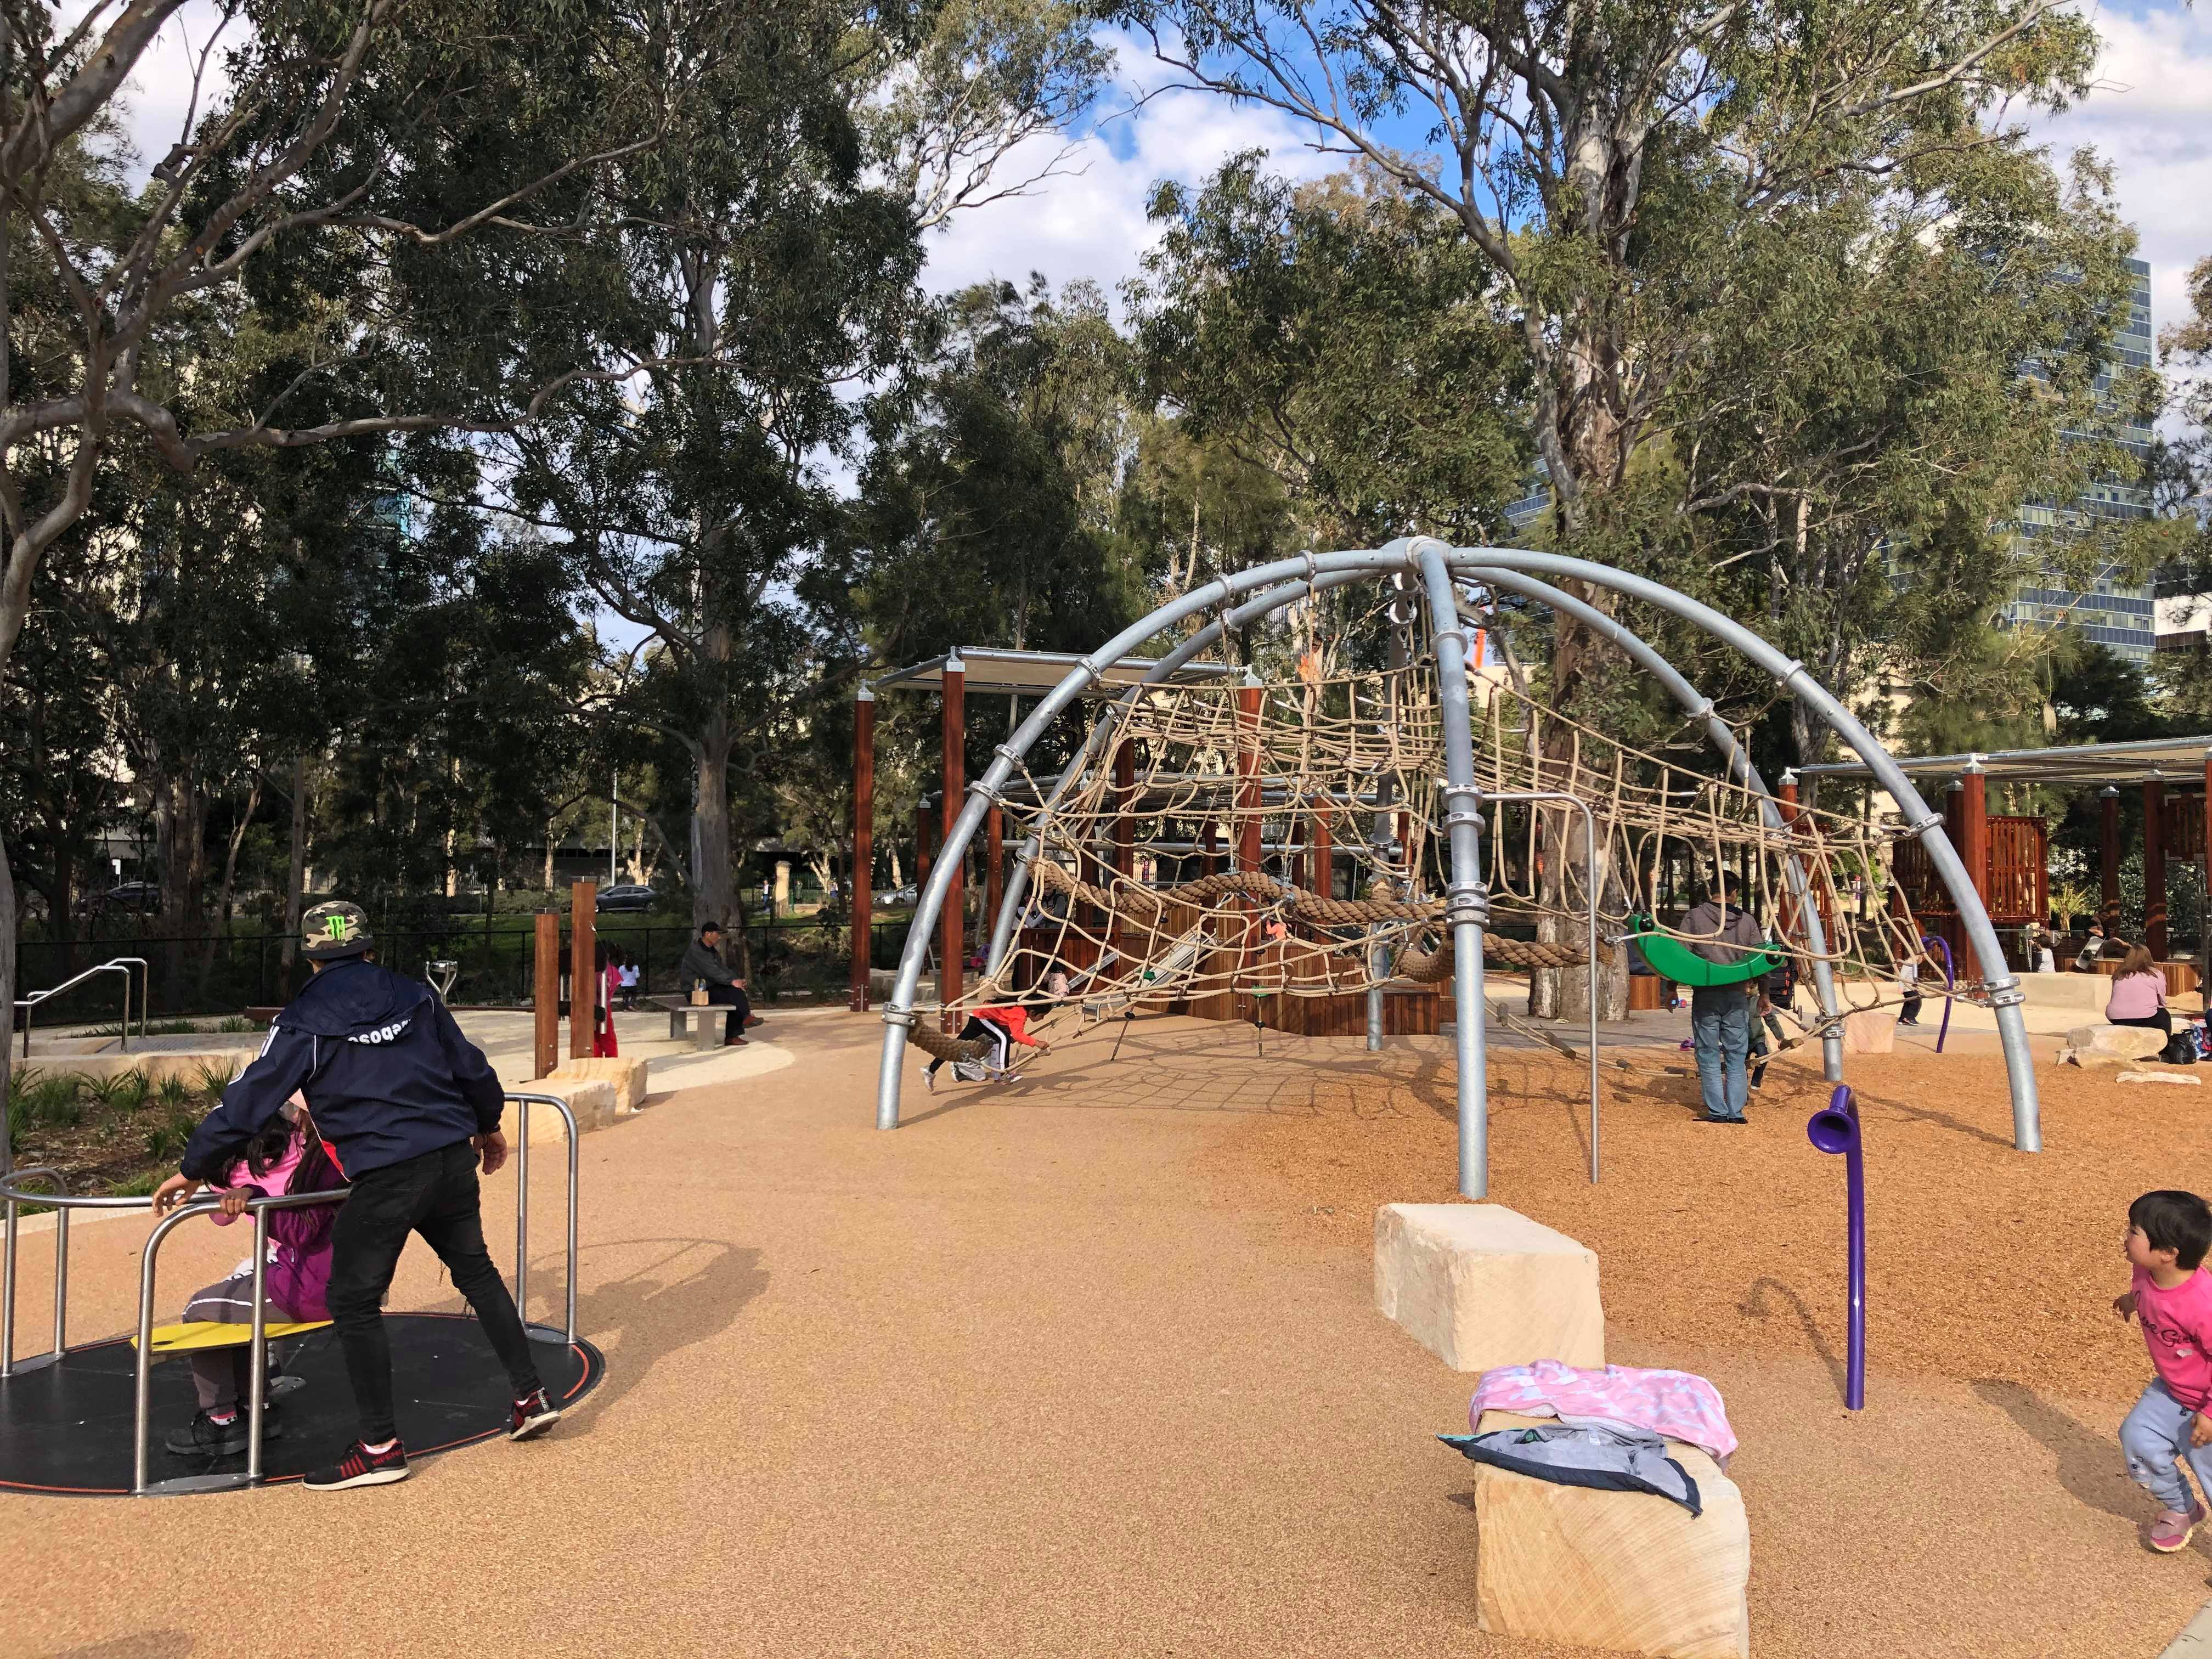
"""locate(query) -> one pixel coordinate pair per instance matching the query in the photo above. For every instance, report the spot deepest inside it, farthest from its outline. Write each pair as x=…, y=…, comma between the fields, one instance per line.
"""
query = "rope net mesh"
x=1284, y=839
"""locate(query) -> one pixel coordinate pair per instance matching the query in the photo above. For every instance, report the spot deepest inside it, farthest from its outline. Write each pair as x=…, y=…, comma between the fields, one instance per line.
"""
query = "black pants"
x=2161, y=1021
x=435, y=1195
x=741, y=1009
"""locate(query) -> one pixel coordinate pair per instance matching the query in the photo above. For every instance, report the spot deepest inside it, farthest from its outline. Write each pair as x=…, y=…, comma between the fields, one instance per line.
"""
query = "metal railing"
x=63, y=1203
x=115, y=965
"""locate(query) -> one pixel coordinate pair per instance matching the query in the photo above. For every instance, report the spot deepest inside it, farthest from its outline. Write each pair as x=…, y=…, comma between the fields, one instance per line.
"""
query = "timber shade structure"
x=2175, y=776
x=992, y=669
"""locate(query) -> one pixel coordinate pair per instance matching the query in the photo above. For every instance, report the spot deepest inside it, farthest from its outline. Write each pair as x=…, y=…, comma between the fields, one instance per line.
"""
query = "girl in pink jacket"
x=289, y=1158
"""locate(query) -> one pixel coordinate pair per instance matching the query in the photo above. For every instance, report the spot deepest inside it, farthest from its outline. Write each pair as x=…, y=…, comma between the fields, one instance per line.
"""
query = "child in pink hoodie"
x=2168, y=1233
x=289, y=1158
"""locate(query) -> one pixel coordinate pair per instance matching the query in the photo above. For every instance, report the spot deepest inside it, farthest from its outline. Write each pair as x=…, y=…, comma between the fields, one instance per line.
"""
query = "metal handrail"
x=63, y=1202
x=114, y=965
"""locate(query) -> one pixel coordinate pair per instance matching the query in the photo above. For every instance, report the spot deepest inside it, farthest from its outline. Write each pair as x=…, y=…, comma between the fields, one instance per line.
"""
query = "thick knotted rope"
x=1427, y=967
x=1144, y=906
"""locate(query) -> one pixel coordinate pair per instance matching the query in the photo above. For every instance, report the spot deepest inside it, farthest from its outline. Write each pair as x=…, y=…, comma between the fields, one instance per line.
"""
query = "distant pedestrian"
x=607, y=982
x=628, y=982
x=1908, y=985
x=702, y=965
x=1720, y=1015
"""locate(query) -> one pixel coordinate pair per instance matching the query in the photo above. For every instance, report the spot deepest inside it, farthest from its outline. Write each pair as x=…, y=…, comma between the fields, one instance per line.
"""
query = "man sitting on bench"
x=702, y=960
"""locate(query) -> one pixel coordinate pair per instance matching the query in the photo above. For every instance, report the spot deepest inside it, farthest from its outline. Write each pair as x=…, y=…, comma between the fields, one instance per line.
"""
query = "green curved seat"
x=1670, y=958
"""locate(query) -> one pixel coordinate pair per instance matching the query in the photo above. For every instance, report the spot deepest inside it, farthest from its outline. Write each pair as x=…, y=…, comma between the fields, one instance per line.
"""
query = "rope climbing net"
x=1284, y=839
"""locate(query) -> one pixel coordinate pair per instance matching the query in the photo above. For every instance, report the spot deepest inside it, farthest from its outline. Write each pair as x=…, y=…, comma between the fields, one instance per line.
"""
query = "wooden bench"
x=706, y=1028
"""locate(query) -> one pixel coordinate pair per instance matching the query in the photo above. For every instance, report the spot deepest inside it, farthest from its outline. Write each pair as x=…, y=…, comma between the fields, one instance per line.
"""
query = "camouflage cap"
x=334, y=930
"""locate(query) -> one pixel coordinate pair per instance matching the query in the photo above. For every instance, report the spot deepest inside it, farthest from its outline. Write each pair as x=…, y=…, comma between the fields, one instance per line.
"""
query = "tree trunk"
x=295, y=876
x=7, y=991
x=180, y=850
x=711, y=893
x=548, y=883
x=230, y=885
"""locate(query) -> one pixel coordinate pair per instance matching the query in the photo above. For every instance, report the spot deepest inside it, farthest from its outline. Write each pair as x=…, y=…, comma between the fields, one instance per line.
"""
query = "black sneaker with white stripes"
x=533, y=1415
x=361, y=1467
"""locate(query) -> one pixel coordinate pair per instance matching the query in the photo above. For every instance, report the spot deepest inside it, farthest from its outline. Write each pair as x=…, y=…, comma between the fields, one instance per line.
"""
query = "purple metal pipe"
x=1950, y=984
x=1835, y=1128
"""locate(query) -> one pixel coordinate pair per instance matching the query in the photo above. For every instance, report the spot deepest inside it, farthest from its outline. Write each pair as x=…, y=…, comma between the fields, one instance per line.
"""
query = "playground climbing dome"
x=1325, y=837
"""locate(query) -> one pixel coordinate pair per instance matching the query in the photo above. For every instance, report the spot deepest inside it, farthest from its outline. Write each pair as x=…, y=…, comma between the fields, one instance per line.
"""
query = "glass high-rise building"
x=2113, y=612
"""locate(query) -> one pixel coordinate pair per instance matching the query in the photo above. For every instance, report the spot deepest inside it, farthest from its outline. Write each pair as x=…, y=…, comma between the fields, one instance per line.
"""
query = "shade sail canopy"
x=1033, y=673
x=2169, y=760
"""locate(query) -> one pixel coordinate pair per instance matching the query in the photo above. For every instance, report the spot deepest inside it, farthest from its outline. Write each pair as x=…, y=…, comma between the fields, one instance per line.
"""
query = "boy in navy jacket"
x=406, y=1105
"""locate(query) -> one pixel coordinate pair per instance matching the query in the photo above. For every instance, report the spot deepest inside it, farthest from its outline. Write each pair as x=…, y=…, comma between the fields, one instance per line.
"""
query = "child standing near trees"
x=2168, y=1233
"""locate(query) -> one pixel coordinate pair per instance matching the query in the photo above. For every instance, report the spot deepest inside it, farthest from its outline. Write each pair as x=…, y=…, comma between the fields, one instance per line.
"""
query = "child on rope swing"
x=1002, y=1026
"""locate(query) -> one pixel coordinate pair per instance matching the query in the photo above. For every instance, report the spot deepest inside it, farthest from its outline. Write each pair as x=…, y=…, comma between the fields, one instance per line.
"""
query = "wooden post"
x=583, y=988
x=1973, y=843
x=2108, y=850
x=922, y=859
x=1787, y=810
x=1209, y=839
x=545, y=1052
x=1248, y=768
x=1324, y=853
x=2155, y=869
x=952, y=935
x=860, y=879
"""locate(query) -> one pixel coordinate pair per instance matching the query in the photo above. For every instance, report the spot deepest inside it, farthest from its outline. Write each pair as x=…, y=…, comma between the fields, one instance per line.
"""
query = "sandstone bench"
x=705, y=1022
x=1480, y=1286
x=1620, y=1570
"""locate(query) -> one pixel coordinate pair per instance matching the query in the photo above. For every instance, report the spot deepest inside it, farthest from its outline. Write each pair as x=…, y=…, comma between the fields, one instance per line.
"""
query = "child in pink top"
x=2168, y=1233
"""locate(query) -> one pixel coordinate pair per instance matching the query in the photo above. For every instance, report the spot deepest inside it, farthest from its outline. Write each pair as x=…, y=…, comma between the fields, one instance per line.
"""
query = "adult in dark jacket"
x=1720, y=1015
x=702, y=960
x=407, y=1106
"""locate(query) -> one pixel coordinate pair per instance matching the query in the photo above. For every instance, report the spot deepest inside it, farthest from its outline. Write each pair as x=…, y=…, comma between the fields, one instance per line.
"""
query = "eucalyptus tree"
x=330, y=159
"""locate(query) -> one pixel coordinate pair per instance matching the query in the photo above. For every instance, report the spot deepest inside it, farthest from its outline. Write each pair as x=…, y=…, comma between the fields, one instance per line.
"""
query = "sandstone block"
x=1480, y=1286
x=2128, y=1042
x=1870, y=1031
x=629, y=1077
x=1627, y=1571
x=2182, y=1077
x=592, y=1100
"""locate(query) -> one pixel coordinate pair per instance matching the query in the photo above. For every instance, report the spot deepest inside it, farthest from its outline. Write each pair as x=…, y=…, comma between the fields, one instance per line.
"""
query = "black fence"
x=496, y=957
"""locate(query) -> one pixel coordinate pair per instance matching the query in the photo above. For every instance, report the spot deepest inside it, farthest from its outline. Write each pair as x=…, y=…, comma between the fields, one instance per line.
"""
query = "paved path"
x=1024, y=1378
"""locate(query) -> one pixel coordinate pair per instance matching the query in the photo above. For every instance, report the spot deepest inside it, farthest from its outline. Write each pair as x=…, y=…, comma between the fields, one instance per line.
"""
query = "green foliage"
x=1344, y=335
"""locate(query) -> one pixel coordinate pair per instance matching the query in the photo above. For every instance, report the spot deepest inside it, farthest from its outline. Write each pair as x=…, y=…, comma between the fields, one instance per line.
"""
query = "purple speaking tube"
x=1950, y=985
x=1835, y=1128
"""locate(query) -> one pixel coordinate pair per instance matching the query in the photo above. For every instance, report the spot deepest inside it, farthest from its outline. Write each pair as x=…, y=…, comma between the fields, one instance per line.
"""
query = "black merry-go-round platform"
x=65, y=1427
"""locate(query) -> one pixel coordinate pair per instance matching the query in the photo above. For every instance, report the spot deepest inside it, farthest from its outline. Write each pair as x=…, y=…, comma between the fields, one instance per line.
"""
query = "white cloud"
x=1090, y=223
x=2151, y=117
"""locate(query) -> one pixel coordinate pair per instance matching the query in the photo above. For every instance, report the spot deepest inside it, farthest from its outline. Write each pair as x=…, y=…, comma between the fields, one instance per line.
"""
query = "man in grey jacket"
x=1720, y=1015
x=702, y=961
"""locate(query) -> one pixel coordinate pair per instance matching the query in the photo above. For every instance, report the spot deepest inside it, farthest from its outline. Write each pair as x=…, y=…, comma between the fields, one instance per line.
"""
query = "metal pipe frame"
x=1436, y=564
x=12, y=1196
x=114, y=965
x=523, y=1102
x=1466, y=895
x=1590, y=864
x=1722, y=735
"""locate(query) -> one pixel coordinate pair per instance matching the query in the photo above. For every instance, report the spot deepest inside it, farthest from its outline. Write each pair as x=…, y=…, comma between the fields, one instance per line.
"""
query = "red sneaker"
x=361, y=1467
x=533, y=1415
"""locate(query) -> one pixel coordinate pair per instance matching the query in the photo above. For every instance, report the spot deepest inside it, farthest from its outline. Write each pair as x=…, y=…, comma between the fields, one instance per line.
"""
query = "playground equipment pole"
x=1950, y=984
x=1466, y=900
x=1835, y=1128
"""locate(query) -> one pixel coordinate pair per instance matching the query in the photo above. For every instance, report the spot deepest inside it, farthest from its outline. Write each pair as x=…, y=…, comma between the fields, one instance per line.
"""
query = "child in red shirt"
x=2168, y=1233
